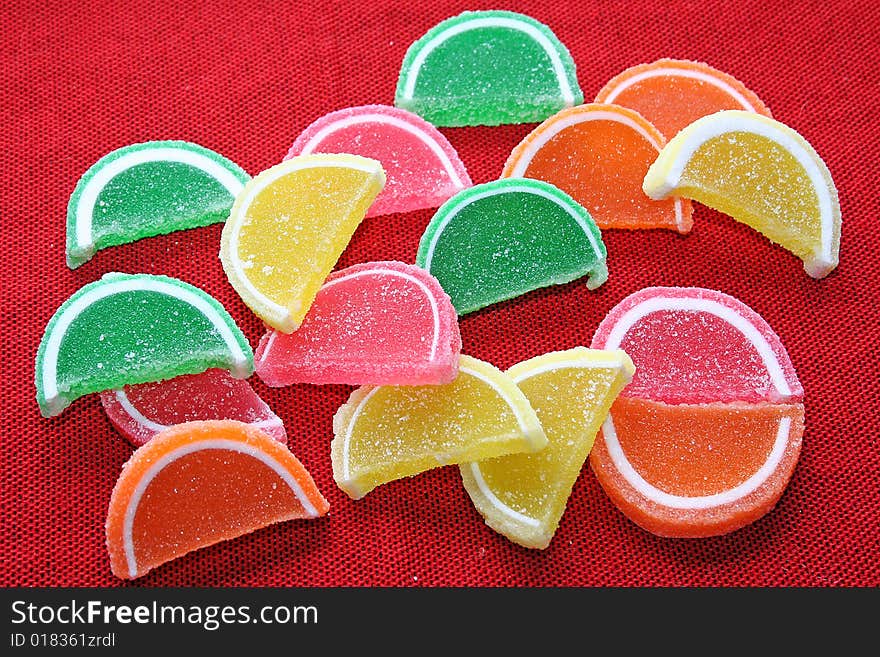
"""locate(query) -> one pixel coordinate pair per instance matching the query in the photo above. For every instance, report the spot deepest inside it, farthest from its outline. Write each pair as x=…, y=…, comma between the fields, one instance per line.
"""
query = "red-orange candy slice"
x=694, y=470
x=199, y=483
x=673, y=93
x=599, y=154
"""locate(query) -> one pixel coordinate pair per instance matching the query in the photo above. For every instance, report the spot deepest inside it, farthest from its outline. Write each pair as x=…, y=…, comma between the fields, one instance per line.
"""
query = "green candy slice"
x=126, y=329
x=487, y=68
x=149, y=189
x=502, y=239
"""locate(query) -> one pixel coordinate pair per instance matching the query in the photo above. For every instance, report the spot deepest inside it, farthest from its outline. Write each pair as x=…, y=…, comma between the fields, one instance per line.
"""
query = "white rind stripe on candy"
x=558, y=126
x=497, y=503
x=346, y=470
x=63, y=323
x=427, y=139
x=505, y=190
x=477, y=23
x=604, y=363
x=737, y=321
x=261, y=183
x=219, y=444
x=683, y=73
x=85, y=207
x=702, y=501
x=147, y=423
x=704, y=130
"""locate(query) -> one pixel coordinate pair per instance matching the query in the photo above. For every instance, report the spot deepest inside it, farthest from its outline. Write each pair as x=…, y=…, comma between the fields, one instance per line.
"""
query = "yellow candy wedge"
x=384, y=433
x=760, y=172
x=523, y=496
x=288, y=227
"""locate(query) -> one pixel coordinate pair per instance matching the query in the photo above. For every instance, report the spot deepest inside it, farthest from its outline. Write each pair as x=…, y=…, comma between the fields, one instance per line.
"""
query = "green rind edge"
x=75, y=258
x=598, y=271
x=114, y=277
x=536, y=115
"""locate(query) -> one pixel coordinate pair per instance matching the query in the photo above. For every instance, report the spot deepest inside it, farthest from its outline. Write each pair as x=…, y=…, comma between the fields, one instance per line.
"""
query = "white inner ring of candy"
x=427, y=139
x=170, y=457
x=477, y=23
x=435, y=341
x=531, y=149
x=85, y=207
x=682, y=73
x=453, y=212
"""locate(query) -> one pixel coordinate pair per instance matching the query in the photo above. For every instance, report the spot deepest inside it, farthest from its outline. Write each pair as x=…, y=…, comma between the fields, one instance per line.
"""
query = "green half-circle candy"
x=502, y=239
x=149, y=189
x=126, y=329
x=487, y=68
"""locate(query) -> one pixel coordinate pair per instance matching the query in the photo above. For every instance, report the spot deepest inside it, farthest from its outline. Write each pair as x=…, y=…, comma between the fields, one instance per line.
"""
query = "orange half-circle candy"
x=199, y=483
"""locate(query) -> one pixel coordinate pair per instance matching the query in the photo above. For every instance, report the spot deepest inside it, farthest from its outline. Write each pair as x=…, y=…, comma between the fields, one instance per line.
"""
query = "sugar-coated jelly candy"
x=502, y=239
x=487, y=68
x=199, y=483
x=384, y=433
x=141, y=411
x=149, y=189
x=523, y=496
x=760, y=172
x=705, y=438
x=421, y=167
x=673, y=93
x=288, y=228
x=378, y=323
x=599, y=154
x=168, y=328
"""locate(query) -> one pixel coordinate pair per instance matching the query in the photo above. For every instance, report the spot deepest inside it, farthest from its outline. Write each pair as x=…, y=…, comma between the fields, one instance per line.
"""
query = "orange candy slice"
x=599, y=154
x=673, y=93
x=199, y=483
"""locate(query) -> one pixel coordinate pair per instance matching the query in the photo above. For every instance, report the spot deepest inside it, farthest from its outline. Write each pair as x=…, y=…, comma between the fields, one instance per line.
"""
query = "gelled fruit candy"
x=599, y=154
x=673, y=93
x=421, y=166
x=759, y=172
x=170, y=328
x=386, y=433
x=487, y=68
x=502, y=239
x=705, y=438
x=380, y=323
x=523, y=496
x=149, y=189
x=139, y=412
x=199, y=483
x=288, y=228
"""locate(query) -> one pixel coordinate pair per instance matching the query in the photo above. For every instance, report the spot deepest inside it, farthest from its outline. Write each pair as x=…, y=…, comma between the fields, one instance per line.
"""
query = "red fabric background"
x=244, y=78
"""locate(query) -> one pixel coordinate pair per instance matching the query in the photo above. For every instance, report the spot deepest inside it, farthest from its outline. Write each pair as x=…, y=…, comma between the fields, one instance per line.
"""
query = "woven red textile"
x=244, y=78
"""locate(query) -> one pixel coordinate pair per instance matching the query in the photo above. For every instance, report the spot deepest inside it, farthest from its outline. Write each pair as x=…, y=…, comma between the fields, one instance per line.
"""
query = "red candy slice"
x=378, y=323
x=140, y=412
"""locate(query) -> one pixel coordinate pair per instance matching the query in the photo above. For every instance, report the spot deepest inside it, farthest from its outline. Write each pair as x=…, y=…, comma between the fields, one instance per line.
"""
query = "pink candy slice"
x=378, y=323
x=693, y=345
x=139, y=412
x=421, y=166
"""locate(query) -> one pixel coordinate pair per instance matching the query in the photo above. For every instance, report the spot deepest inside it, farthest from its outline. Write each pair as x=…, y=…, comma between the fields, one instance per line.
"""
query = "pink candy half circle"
x=378, y=323
x=694, y=345
x=422, y=168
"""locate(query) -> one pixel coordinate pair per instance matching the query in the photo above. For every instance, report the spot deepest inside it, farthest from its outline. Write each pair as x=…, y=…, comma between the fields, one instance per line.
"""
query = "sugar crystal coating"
x=379, y=323
x=139, y=412
x=487, y=68
x=499, y=240
x=422, y=168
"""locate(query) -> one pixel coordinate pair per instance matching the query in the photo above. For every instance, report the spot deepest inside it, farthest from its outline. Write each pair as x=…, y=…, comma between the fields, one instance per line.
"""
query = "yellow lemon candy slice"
x=288, y=227
x=759, y=172
x=523, y=496
x=384, y=433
